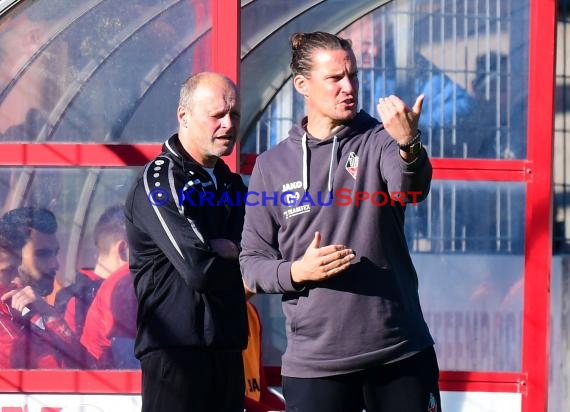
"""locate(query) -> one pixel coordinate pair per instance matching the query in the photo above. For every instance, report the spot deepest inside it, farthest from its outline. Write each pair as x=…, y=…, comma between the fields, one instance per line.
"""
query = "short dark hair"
x=11, y=238
x=27, y=218
x=304, y=44
x=109, y=228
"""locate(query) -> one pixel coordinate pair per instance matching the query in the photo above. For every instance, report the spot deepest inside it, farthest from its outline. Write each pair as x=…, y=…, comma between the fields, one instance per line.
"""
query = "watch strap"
x=413, y=146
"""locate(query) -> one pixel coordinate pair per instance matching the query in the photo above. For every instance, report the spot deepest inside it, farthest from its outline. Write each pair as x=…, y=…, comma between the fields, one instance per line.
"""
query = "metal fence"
x=562, y=133
x=462, y=56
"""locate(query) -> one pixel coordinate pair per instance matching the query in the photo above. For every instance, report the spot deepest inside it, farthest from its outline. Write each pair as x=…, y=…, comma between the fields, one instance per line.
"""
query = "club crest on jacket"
x=352, y=164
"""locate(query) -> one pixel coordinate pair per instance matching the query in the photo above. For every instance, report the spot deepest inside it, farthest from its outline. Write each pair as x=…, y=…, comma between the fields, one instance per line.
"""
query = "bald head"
x=208, y=117
x=199, y=81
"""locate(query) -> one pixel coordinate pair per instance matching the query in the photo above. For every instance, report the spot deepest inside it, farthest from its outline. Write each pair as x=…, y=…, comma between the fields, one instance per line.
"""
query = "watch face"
x=415, y=148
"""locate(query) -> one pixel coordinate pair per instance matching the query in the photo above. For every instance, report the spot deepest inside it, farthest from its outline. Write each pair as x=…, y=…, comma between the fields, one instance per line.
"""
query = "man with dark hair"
x=40, y=261
x=32, y=334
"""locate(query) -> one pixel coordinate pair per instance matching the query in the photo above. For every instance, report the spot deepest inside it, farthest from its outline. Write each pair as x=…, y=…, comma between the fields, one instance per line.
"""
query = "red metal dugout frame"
x=536, y=172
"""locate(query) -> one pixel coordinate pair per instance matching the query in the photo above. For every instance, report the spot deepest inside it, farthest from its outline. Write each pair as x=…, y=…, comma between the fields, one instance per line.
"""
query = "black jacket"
x=187, y=294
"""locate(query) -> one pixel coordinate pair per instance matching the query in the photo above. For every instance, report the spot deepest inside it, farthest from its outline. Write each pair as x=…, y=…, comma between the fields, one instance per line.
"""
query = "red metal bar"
x=532, y=382
x=114, y=155
x=451, y=381
x=455, y=169
x=226, y=49
x=77, y=154
x=506, y=382
x=538, y=236
x=492, y=170
x=129, y=382
x=70, y=381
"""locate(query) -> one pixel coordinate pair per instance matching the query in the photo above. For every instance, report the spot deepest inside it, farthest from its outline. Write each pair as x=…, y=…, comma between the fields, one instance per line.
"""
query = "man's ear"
x=123, y=248
x=301, y=85
x=182, y=114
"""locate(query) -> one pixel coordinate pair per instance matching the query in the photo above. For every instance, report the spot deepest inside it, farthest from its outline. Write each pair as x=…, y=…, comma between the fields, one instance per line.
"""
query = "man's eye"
x=45, y=253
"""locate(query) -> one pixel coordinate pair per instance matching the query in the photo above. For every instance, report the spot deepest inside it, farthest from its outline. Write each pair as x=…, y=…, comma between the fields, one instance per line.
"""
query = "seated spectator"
x=258, y=396
x=112, y=253
x=40, y=261
x=10, y=259
x=110, y=326
x=32, y=334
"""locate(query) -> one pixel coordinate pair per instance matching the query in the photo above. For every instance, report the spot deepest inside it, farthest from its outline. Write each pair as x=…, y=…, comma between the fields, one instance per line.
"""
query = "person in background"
x=356, y=335
x=40, y=254
x=11, y=330
x=491, y=91
x=34, y=72
x=110, y=239
x=111, y=320
x=33, y=334
x=111, y=316
x=192, y=321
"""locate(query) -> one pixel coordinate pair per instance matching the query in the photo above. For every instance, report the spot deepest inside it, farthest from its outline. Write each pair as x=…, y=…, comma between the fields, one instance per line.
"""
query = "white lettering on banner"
x=477, y=340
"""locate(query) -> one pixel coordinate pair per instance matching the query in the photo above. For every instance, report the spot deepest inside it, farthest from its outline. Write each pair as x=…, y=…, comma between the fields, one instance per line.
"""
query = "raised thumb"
x=418, y=104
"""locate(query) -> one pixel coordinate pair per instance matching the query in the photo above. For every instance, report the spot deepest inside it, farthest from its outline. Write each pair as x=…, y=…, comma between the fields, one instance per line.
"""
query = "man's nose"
x=229, y=121
x=54, y=262
x=348, y=85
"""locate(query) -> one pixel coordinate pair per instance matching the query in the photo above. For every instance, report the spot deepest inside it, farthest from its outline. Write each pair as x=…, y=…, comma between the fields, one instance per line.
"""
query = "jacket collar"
x=174, y=147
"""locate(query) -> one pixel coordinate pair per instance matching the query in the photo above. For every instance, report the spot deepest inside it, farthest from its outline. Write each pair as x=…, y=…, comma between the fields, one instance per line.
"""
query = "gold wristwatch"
x=414, y=146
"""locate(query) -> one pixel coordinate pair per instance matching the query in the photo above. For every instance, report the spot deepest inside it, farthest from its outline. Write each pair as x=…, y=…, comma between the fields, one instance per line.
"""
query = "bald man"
x=184, y=221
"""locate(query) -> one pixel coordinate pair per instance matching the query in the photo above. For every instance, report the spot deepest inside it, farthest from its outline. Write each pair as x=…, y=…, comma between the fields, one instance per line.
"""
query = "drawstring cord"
x=332, y=164
x=305, y=163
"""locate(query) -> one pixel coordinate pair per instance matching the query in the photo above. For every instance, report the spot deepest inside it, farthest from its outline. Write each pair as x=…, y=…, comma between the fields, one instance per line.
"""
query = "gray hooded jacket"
x=352, y=188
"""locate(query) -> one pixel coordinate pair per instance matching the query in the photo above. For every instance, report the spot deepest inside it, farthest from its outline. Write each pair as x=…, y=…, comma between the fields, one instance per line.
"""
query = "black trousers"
x=192, y=380
x=409, y=385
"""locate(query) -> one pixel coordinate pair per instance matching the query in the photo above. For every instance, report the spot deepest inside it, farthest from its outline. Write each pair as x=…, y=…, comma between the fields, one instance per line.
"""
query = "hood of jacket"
x=299, y=135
